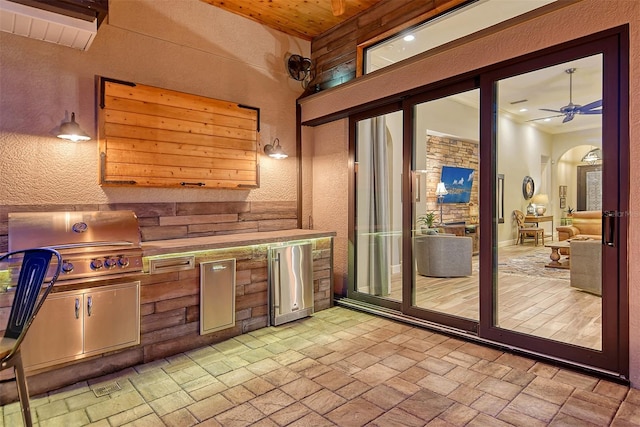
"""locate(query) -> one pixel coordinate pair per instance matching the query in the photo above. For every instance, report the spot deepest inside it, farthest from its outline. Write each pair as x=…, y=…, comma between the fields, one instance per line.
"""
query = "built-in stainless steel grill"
x=92, y=243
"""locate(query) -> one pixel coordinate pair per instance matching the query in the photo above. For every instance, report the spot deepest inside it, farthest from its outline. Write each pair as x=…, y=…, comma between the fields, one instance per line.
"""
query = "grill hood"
x=93, y=244
x=73, y=230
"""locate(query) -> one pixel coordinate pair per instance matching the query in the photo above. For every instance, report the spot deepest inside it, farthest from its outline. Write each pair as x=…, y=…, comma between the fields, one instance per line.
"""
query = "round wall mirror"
x=528, y=187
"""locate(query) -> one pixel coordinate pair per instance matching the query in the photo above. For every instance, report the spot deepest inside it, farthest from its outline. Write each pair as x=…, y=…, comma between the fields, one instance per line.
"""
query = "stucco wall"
x=330, y=196
x=571, y=22
x=184, y=45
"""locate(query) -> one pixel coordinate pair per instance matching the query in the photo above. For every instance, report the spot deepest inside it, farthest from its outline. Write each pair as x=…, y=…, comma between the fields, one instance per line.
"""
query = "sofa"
x=585, y=265
x=443, y=255
x=584, y=225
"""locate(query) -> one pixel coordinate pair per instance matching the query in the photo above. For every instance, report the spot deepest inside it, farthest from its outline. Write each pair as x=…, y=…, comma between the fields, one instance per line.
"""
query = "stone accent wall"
x=443, y=151
x=161, y=221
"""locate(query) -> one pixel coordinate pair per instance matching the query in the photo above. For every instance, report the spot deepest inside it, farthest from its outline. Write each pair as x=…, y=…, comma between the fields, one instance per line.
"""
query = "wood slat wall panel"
x=168, y=172
x=121, y=104
x=123, y=131
x=154, y=95
x=130, y=118
x=179, y=160
x=143, y=146
x=161, y=138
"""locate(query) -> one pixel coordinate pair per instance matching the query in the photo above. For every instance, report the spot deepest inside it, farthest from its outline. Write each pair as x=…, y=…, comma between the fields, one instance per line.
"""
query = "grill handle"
x=91, y=244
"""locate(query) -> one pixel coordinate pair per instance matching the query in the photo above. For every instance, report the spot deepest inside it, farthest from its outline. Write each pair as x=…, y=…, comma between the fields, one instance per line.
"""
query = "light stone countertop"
x=162, y=247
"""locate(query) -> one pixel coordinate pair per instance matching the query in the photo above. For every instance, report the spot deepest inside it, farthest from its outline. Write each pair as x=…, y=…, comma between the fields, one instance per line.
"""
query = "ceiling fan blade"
x=568, y=118
x=543, y=118
x=337, y=7
x=548, y=109
x=590, y=108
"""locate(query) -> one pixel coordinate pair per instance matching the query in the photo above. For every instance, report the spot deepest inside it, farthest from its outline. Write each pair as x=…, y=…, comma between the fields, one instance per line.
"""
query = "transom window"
x=453, y=25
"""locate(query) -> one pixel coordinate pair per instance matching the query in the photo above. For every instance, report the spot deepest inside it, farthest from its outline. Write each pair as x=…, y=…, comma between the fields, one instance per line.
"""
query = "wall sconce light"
x=275, y=150
x=72, y=131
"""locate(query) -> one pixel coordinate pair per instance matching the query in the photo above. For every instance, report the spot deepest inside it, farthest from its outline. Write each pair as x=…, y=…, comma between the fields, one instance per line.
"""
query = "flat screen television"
x=458, y=182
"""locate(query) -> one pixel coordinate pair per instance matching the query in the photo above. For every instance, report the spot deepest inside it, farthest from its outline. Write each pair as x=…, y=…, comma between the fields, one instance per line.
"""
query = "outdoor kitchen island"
x=169, y=303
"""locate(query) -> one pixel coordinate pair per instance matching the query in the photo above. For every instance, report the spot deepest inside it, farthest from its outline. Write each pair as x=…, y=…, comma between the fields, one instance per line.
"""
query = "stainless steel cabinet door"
x=111, y=317
x=56, y=333
x=217, y=295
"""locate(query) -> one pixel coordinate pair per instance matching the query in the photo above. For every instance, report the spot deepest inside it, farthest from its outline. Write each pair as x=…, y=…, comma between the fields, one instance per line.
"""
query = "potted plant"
x=570, y=211
x=427, y=219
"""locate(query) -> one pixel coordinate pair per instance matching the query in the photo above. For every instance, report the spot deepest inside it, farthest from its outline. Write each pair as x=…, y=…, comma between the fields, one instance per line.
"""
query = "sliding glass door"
x=496, y=205
x=445, y=234
x=377, y=176
x=555, y=137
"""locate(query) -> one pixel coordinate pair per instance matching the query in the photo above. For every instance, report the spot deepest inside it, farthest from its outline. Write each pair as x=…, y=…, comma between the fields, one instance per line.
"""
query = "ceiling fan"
x=570, y=110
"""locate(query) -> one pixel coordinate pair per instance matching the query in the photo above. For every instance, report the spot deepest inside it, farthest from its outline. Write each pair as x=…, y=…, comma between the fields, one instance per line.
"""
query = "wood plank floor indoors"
x=533, y=300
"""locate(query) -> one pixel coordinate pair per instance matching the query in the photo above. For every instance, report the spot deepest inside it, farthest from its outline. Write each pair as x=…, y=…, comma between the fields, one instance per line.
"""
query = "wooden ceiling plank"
x=304, y=19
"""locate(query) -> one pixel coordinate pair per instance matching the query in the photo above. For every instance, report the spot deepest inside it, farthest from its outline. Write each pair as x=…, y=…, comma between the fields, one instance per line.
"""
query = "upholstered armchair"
x=443, y=255
x=586, y=265
x=584, y=224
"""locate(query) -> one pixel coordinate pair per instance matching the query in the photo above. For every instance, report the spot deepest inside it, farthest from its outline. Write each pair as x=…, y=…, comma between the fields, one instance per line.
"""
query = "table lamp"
x=541, y=201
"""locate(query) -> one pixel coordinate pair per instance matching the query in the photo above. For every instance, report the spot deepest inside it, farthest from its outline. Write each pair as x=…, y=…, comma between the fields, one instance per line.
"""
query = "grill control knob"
x=110, y=262
x=96, y=264
x=67, y=266
x=123, y=261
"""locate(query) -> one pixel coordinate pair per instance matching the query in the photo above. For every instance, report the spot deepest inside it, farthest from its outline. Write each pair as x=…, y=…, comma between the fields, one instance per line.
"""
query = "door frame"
x=615, y=127
x=408, y=274
x=352, y=291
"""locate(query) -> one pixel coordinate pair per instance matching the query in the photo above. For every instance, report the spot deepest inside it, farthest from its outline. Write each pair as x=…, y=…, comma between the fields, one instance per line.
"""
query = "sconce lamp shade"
x=441, y=190
x=540, y=199
x=72, y=131
x=275, y=150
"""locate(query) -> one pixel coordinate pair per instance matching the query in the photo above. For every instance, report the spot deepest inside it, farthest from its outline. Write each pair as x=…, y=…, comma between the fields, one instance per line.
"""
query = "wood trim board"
x=154, y=137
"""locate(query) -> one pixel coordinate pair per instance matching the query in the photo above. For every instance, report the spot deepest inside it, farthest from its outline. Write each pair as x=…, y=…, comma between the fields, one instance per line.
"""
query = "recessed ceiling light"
x=409, y=38
x=522, y=110
x=547, y=120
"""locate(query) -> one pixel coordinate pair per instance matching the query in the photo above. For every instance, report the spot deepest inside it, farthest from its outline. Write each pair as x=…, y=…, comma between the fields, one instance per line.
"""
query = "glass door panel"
x=549, y=149
x=446, y=232
x=378, y=207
